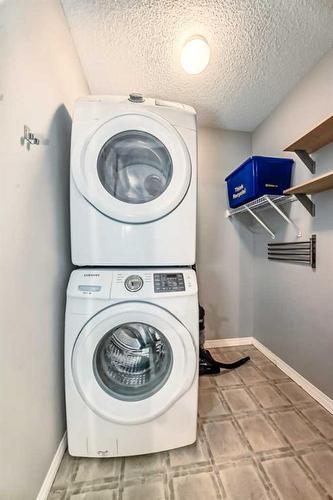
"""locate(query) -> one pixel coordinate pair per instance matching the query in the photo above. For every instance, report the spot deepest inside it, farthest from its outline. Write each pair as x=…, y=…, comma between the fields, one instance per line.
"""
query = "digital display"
x=164, y=282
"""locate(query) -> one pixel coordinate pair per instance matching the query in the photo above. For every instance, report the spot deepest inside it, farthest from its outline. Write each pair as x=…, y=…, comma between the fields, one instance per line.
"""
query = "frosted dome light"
x=195, y=55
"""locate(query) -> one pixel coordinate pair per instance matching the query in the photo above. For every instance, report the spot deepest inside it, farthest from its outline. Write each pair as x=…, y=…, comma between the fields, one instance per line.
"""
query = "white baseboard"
x=210, y=344
x=312, y=390
x=49, y=478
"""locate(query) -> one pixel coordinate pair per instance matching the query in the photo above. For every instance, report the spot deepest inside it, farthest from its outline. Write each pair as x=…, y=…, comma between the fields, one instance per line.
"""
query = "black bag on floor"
x=207, y=364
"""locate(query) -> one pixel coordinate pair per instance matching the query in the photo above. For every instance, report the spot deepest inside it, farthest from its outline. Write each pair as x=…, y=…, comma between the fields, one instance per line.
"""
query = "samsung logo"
x=93, y=275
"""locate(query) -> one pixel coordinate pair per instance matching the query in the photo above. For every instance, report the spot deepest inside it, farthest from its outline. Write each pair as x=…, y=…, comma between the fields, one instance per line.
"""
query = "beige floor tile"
x=227, y=356
x=65, y=474
x=224, y=441
x=232, y=348
x=239, y=400
x=142, y=465
x=196, y=487
x=289, y=479
x=196, y=453
x=260, y=433
x=105, y=494
x=294, y=392
x=247, y=349
x=273, y=372
x=268, y=396
x=210, y=404
x=257, y=357
x=243, y=482
x=90, y=469
x=321, y=464
x=145, y=491
x=295, y=429
x=206, y=382
x=249, y=374
x=228, y=378
x=321, y=419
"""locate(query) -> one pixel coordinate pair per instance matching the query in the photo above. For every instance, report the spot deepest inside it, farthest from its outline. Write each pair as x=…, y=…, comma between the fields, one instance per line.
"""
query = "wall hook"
x=29, y=137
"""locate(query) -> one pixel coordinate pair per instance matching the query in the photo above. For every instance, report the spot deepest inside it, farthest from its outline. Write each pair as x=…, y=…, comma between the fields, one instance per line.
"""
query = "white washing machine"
x=131, y=361
x=133, y=182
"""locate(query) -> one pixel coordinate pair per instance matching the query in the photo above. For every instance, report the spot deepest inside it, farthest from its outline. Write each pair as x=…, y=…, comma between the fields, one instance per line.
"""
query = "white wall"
x=293, y=305
x=40, y=78
x=224, y=248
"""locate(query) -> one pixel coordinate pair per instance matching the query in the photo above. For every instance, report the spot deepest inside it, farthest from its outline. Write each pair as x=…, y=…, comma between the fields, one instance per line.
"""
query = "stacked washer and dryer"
x=131, y=334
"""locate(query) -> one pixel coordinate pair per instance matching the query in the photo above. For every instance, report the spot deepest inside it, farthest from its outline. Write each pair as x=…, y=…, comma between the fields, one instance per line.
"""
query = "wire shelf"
x=266, y=201
x=261, y=202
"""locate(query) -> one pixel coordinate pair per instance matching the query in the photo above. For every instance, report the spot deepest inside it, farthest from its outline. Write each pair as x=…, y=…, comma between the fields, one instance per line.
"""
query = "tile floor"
x=260, y=437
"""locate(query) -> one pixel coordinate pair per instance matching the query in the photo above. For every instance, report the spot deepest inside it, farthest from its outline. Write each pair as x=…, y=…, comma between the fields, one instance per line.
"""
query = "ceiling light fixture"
x=195, y=55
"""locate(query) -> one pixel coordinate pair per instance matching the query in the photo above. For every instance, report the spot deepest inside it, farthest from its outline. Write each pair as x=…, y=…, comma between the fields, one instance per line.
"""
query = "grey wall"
x=293, y=314
x=224, y=247
x=40, y=78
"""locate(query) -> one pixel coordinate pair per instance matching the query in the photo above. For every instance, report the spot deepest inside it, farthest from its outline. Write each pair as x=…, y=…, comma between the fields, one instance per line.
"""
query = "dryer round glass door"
x=134, y=168
x=132, y=361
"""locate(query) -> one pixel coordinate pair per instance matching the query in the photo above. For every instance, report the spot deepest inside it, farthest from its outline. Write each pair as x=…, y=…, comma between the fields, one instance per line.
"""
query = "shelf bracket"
x=285, y=217
x=306, y=159
x=307, y=203
x=261, y=222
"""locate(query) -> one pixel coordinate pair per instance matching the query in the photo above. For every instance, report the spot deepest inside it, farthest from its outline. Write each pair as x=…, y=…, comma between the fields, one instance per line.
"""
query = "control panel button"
x=133, y=283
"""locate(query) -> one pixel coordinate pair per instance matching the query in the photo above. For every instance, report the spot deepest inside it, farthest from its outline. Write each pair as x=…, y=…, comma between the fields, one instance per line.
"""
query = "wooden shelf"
x=317, y=138
x=316, y=185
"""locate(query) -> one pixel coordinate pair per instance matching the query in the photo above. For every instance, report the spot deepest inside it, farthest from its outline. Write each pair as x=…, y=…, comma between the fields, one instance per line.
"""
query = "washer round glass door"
x=134, y=168
x=132, y=361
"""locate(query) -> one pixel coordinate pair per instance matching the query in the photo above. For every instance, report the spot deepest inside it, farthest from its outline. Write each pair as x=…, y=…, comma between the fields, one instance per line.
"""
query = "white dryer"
x=131, y=361
x=133, y=182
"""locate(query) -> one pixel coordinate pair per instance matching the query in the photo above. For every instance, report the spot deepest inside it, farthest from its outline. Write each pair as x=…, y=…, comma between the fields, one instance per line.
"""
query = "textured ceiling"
x=259, y=50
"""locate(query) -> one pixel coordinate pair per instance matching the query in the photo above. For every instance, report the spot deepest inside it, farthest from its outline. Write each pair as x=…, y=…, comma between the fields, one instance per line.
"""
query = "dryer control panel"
x=169, y=282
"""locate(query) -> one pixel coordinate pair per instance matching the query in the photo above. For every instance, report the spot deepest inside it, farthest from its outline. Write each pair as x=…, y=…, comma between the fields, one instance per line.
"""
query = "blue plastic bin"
x=257, y=176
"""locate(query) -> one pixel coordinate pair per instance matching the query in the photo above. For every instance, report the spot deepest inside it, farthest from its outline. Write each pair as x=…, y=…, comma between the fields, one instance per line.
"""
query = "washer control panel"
x=134, y=283
x=169, y=282
x=128, y=284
